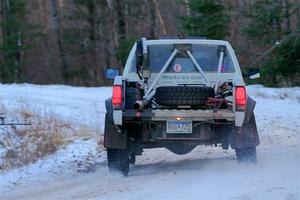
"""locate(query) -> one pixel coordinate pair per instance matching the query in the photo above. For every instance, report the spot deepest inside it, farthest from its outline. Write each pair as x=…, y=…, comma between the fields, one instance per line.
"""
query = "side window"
x=132, y=64
x=227, y=66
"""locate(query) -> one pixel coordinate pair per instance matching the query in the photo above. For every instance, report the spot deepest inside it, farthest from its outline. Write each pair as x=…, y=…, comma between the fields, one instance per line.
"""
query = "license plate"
x=179, y=126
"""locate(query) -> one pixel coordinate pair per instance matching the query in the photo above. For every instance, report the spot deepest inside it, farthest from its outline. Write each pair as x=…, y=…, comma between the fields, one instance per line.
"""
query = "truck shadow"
x=180, y=165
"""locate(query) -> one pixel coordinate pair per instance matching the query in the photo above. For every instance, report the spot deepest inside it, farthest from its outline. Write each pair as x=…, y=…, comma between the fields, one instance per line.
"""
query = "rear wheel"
x=118, y=160
x=132, y=159
x=246, y=155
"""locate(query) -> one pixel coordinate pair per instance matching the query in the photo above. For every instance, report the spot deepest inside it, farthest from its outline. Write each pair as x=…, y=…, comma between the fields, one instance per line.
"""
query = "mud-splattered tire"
x=118, y=160
x=246, y=155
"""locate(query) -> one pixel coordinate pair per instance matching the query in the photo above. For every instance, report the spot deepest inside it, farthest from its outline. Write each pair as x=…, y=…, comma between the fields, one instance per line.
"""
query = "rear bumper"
x=195, y=115
x=164, y=115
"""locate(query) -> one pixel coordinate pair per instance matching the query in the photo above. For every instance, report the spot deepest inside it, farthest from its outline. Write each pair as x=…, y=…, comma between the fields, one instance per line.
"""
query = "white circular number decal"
x=177, y=68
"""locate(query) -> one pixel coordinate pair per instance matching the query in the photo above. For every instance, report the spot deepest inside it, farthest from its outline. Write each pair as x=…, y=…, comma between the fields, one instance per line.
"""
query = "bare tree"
x=298, y=15
x=159, y=17
x=120, y=9
x=286, y=5
x=57, y=26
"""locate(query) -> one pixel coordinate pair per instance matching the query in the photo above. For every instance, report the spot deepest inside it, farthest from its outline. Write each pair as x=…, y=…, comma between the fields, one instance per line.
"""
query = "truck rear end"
x=177, y=94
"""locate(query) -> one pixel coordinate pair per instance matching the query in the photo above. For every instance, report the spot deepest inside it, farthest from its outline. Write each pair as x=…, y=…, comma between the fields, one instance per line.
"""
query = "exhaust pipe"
x=139, y=105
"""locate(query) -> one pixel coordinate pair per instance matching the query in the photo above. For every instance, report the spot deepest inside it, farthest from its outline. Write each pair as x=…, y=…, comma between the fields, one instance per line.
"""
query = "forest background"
x=73, y=41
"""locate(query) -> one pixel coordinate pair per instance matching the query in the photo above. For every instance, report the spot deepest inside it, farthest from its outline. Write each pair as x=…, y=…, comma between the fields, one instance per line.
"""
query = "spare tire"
x=183, y=95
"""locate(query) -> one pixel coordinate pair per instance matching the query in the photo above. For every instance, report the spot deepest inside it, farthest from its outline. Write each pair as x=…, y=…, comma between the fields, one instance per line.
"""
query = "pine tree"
x=124, y=49
x=208, y=19
x=269, y=25
x=266, y=21
x=12, y=37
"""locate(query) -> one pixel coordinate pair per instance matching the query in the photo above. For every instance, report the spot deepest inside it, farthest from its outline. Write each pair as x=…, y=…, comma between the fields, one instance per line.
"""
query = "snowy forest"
x=73, y=41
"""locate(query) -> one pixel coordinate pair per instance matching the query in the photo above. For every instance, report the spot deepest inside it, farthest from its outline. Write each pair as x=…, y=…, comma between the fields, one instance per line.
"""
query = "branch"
x=266, y=53
x=262, y=55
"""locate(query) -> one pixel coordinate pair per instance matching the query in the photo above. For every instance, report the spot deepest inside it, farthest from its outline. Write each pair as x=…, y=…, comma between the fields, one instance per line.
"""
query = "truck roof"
x=187, y=41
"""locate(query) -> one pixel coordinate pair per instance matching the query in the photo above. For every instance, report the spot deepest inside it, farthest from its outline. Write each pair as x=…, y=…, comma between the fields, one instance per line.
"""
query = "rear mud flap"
x=114, y=138
x=247, y=135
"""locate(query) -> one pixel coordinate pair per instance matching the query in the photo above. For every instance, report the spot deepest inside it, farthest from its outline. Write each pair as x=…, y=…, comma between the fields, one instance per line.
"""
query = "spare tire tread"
x=183, y=95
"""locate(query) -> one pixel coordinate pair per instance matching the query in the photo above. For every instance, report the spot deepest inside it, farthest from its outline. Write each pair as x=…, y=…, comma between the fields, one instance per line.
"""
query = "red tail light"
x=240, y=98
x=117, y=96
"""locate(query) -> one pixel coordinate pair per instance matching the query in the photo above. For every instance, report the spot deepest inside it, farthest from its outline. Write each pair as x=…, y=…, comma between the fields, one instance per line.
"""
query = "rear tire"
x=132, y=159
x=118, y=160
x=246, y=155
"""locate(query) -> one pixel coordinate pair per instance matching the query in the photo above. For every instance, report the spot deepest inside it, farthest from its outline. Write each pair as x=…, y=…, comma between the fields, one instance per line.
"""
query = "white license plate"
x=179, y=126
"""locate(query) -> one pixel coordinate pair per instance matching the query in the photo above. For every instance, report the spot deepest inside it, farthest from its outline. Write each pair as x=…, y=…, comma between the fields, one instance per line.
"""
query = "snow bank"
x=259, y=91
x=277, y=114
x=76, y=157
x=79, y=105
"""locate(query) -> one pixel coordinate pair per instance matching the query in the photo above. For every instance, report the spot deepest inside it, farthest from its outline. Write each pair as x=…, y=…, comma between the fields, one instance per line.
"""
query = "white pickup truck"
x=178, y=94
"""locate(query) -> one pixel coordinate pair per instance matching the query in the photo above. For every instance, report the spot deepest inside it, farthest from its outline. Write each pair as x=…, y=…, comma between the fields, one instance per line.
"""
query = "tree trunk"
x=298, y=16
x=121, y=20
x=17, y=74
x=159, y=16
x=287, y=17
x=2, y=17
x=187, y=7
x=152, y=21
x=93, y=40
x=56, y=23
x=277, y=20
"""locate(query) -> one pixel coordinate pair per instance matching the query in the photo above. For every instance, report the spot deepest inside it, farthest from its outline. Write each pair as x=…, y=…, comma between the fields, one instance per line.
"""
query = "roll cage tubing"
x=150, y=92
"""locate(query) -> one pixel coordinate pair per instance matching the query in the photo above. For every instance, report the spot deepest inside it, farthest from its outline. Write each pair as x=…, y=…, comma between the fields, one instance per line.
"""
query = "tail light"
x=117, y=97
x=240, y=98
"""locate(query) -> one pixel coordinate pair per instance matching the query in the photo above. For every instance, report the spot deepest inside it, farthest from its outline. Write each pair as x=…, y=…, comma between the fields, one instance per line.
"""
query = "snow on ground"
x=277, y=114
x=205, y=173
x=79, y=105
x=76, y=157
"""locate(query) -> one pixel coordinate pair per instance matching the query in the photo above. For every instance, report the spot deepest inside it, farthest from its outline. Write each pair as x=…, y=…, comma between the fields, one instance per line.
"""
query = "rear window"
x=205, y=55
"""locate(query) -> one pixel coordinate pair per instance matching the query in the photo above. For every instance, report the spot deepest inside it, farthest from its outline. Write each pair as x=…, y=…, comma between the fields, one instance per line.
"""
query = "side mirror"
x=111, y=73
x=255, y=76
x=253, y=73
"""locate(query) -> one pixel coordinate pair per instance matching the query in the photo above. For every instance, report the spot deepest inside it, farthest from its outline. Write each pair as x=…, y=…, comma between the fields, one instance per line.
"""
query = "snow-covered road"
x=205, y=173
